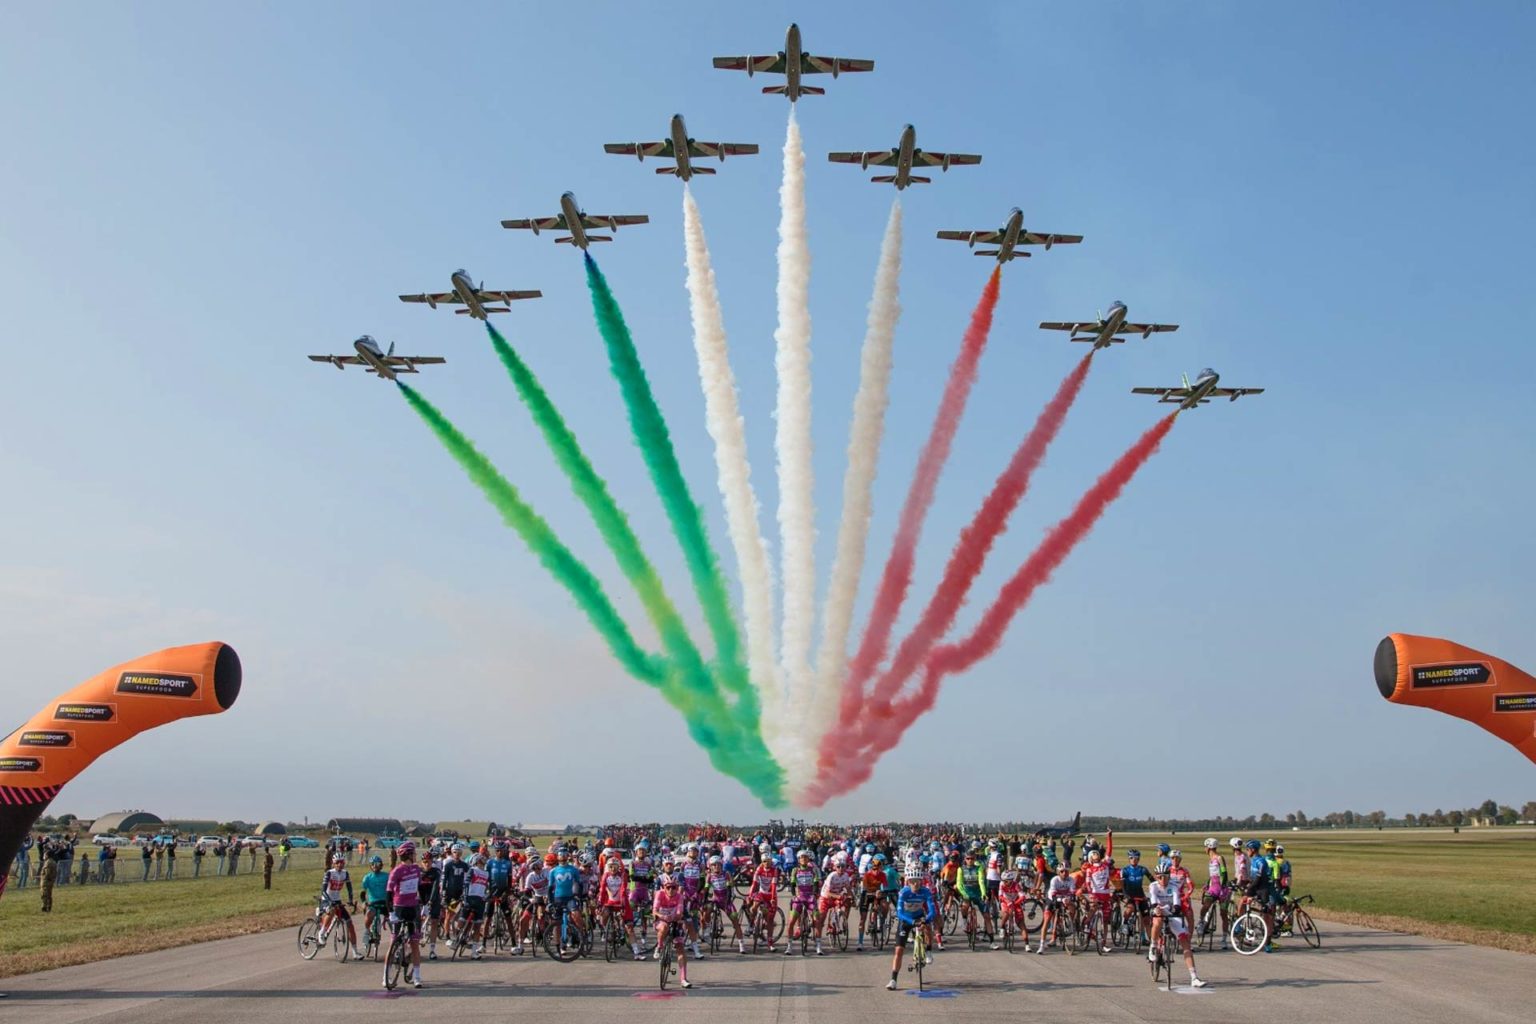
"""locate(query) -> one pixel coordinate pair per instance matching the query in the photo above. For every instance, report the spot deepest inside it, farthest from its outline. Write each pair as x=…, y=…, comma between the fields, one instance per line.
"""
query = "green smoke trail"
x=732, y=751
x=650, y=430
x=541, y=540
x=610, y=519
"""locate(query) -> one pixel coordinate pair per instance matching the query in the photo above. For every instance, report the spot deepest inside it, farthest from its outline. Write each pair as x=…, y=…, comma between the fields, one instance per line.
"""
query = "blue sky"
x=1334, y=203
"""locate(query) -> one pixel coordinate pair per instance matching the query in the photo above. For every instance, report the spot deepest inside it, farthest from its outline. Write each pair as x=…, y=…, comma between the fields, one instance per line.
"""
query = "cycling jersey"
x=374, y=887
x=995, y=861
x=1216, y=871
x=836, y=886
x=1096, y=878
x=1132, y=878
x=404, y=885
x=641, y=871
x=331, y=886
x=765, y=882
x=693, y=879
x=969, y=882
x=430, y=877
x=1282, y=872
x=803, y=883
x=718, y=885
x=1179, y=882
x=1165, y=899
x=668, y=904
x=536, y=881
x=1061, y=888
x=501, y=874
x=611, y=891
x=916, y=904
x=454, y=871
x=476, y=881
x=564, y=882
x=872, y=881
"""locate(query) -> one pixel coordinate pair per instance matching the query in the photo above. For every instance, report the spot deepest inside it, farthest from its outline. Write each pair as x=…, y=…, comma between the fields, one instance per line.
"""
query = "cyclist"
x=1178, y=877
x=565, y=892
x=717, y=887
x=802, y=901
x=375, y=894
x=1239, y=861
x=971, y=886
x=763, y=893
x=667, y=907
x=477, y=882
x=331, y=886
x=871, y=886
x=1218, y=889
x=1163, y=860
x=430, y=899
x=1096, y=885
x=1010, y=894
x=916, y=907
x=404, y=891
x=535, y=889
x=835, y=890
x=997, y=860
x=613, y=900
x=454, y=870
x=1259, y=888
x=500, y=870
x=692, y=875
x=1059, y=898
x=1168, y=912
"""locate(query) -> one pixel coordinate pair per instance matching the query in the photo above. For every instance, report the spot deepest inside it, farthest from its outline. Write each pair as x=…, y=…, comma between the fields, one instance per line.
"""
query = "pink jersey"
x=718, y=885
x=404, y=885
x=803, y=880
x=668, y=904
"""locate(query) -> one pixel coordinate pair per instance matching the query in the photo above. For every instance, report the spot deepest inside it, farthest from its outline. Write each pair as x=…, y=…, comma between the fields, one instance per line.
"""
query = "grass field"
x=1469, y=887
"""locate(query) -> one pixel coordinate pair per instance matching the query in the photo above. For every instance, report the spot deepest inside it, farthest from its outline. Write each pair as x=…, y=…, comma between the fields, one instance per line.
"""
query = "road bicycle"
x=498, y=928
x=1064, y=926
x=1095, y=930
x=1162, y=959
x=880, y=921
x=677, y=934
x=310, y=935
x=836, y=925
x=564, y=940
x=1250, y=932
x=615, y=941
x=399, y=952
x=767, y=923
x=1125, y=925
x=373, y=935
x=1209, y=926
x=919, y=954
x=1291, y=919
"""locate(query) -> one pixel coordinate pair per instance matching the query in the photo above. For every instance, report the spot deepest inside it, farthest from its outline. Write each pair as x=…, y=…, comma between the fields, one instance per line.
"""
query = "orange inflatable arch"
x=1456, y=680
x=77, y=727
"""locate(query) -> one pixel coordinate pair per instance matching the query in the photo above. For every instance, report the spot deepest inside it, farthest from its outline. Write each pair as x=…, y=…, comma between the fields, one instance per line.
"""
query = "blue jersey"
x=914, y=905
x=1133, y=877
x=373, y=886
x=564, y=882
x=500, y=872
x=892, y=878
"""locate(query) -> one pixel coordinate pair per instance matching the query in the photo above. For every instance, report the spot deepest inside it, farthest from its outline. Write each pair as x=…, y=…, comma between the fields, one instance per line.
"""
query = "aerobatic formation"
x=783, y=698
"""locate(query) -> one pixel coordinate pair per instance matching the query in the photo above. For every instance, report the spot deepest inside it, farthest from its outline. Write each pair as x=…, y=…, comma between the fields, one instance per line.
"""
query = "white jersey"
x=865, y=860
x=1165, y=896
x=995, y=861
x=335, y=884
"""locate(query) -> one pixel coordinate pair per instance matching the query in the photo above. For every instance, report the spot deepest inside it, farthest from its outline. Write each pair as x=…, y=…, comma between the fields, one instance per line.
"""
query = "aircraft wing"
x=1234, y=394
x=542, y=223
x=810, y=65
x=433, y=298
x=871, y=158
x=663, y=148
x=757, y=65
x=1069, y=325
x=923, y=156
x=721, y=149
x=966, y=236
x=407, y=361
x=1040, y=238
x=1174, y=395
x=592, y=220
x=333, y=360
x=1145, y=328
x=491, y=295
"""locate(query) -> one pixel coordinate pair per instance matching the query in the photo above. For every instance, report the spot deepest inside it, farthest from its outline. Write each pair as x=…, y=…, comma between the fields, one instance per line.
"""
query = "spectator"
x=218, y=854
x=266, y=871
x=159, y=859
x=23, y=863
x=253, y=855
x=85, y=868
x=50, y=872
x=64, y=851
x=111, y=863
x=146, y=854
x=102, y=872
x=284, y=848
x=198, y=853
x=170, y=859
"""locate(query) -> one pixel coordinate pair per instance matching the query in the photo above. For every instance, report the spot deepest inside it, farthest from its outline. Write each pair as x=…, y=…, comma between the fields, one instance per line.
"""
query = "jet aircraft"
x=904, y=156
x=385, y=364
x=575, y=220
x=1008, y=237
x=473, y=298
x=682, y=149
x=1105, y=331
x=792, y=62
x=1199, y=393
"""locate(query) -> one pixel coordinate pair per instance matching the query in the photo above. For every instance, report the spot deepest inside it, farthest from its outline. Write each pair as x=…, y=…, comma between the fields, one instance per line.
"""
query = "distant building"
x=366, y=826
x=190, y=826
x=270, y=828
x=543, y=830
x=127, y=821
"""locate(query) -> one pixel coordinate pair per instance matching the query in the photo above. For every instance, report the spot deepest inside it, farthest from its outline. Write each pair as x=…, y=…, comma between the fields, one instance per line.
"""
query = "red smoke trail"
x=976, y=540
x=886, y=725
x=898, y=571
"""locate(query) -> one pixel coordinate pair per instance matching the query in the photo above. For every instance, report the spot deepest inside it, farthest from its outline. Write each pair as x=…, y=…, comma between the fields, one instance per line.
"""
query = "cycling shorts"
x=904, y=930
x=867, y=899
x=377, y=907
x=976, y=899
x=806, y=903
x=826, y=903
x=473, y=907
x=1175, y=925
x=625, y=911
x=338, y=908
x=409, y=916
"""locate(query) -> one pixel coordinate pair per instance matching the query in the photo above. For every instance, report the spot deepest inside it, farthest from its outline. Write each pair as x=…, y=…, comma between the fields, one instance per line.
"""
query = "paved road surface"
x=1358, y=976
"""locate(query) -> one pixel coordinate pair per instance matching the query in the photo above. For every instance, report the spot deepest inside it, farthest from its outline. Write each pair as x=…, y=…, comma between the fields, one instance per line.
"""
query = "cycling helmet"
x=1133, y=854
x=1210, y=844
x=839, y=858
x=1095, y=854
x=1252, y=846
x=804, y=855
x=405, y=848
x=458, y=847
x=1010, y=875
x=586, y=859
x=642, y=845
x=764, y=848
x=607, y=844
x=914, y=875
x=550, y=860
x=716, y=860
x=1163, y=849
x=1176, y=854
x=376, y=861
x=879, y=858
x=1279, y=849
x=474, y=844
x=1237, y=844
x=869, y=847
x=339, y=859
x=1269, y=844
x=667, y=862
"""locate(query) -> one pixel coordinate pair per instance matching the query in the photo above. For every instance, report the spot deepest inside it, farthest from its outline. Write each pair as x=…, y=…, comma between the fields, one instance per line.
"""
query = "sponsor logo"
x=1471, y=674
x=84, y=713
x=1514, y=702
x=21, y=764
x=46, y=738
x=157, y=684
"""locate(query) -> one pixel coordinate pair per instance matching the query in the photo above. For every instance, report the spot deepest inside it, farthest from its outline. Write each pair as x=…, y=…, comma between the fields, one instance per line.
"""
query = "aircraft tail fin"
x=812, y=90
x=703, y=170
x=1077, y=820
x=599, y=238
x=778, y=90
x=885, y=179
x=462, y=312
x=666, y=170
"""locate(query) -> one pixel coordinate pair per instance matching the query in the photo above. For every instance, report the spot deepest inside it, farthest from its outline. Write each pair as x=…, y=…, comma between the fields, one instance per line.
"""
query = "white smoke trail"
x=792, y=438
x=723, y=420
x=869, y=406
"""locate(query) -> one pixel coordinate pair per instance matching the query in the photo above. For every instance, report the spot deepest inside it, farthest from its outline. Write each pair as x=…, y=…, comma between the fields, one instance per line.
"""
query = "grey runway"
x=1359, y=976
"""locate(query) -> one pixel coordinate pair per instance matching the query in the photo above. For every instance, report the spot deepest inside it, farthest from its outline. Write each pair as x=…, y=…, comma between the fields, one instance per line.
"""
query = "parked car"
x=209, y=842
x=299, y=842
x=389, y=842
x=106, y=840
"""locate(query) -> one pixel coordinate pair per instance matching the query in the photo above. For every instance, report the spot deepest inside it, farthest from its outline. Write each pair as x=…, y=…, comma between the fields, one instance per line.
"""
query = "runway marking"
x=387, y=995
x=658, y=995
x=1185, y=990
x=935, y=993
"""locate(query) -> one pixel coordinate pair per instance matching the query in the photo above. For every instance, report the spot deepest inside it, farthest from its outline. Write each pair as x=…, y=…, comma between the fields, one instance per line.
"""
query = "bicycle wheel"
x=919, y=955
x=840, y=933
x=458, y=937
x=950, y=918
x=394, y=963
x=1034, y=914
x=568, y=952
x=1098, y=931
x=666, y=963
x=1080, y=935
x=610, y=930
x=341, y=946
x=1249, y=933
x=805, y=936
x=880, y=925
x=309, y=939
x=1008, y=934
x=1308, y=931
